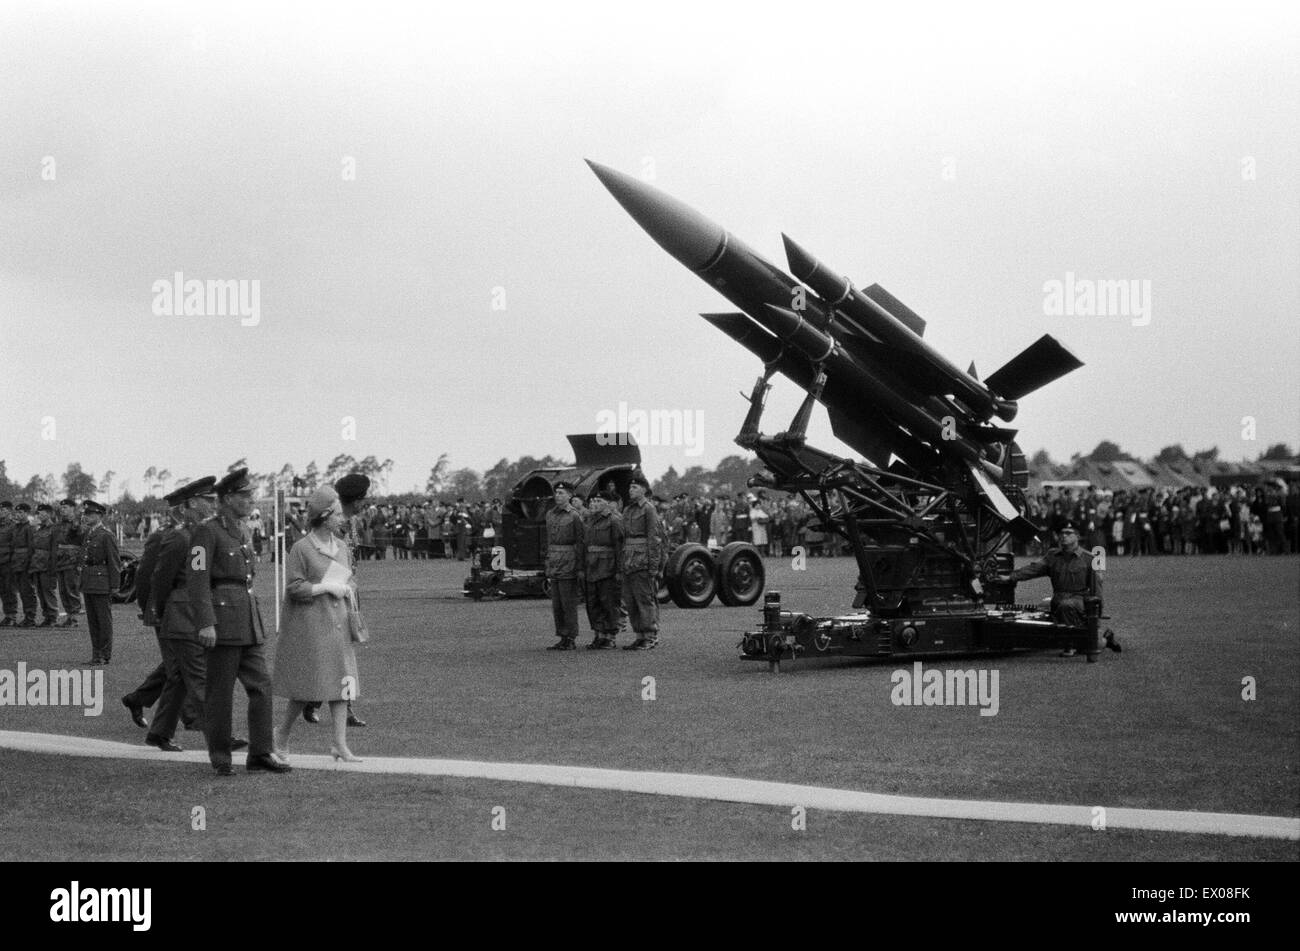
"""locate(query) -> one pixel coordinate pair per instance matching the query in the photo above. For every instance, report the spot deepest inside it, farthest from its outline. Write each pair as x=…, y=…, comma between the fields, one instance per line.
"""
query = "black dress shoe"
x=354, y=720
x=48, y=622
x=311, y=714
x=238, y=744
x=69, y=621
x=162, y=743
x=564, y=644
x=267, y=764
x=137, y=713
x=27, y=622
x=8, y=622
x=224, y=769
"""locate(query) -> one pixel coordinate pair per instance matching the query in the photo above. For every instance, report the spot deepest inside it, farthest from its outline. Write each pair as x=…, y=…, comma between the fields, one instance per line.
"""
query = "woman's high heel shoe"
x=346, y=756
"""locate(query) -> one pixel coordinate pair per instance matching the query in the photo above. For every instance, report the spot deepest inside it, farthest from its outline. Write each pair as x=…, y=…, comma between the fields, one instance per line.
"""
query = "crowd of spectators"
x=1243, y=519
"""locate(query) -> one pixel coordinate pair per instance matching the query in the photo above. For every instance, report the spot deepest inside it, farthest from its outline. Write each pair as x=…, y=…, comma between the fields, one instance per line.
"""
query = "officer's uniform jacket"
x=101, y=568
x=69, y=537
x=219, y=581
x=1071, y=573
x=41, y=558
x=144, y=593
x=643, y=537
x=565, y=543
x=604, y=540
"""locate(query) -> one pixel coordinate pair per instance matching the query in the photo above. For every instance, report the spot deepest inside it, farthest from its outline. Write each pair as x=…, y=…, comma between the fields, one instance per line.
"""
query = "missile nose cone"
x=802, y=264
x=676, y=227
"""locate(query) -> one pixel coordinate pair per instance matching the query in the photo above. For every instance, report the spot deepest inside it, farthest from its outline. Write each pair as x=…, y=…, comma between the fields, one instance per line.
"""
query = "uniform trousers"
x=186, y=666
x=640, y=594
x=227, y=663
x=8, y=590
x=25, y=582
x=564, y=606
x=46, y=592
x=99, y=618
x=604, y=603
x=70, y=591
x=1068, y=609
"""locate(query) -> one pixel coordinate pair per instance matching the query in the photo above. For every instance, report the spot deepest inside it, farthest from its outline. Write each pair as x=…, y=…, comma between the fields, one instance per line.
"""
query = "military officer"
x=147, y=694
x=219, y=588
x=1073, y=579
x=184, y=655
x=604, y=564
x=352, y=491
x=40, y=566
x=101, y=573
x=22, y=549
x=565, y=565
x=8, y=591
x=68, y=540
x=643, y=554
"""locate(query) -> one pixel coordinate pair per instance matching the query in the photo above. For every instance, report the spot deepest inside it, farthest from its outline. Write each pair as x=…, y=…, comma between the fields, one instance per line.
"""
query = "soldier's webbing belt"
x=561, y=547
x=600, y=548
x=636, y=541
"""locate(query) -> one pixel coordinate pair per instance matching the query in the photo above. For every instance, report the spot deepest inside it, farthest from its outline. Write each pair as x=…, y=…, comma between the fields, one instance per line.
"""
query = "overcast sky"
x=392, y=176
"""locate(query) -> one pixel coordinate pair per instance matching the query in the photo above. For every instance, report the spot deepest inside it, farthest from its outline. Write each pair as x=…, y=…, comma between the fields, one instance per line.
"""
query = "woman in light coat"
x=314, y=659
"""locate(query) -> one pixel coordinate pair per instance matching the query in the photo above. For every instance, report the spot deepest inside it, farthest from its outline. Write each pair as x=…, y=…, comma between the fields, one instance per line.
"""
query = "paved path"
x=717, y=788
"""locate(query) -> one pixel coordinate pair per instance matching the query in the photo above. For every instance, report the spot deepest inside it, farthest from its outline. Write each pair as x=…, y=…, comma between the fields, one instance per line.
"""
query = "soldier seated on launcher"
x=1073, y=580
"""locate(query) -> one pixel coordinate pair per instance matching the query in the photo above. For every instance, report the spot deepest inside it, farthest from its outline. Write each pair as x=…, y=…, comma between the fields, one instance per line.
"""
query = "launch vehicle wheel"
x=689, y=576
x=741, y=575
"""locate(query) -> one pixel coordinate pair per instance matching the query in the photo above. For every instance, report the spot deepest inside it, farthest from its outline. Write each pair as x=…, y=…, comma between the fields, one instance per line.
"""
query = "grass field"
x=1162, y=726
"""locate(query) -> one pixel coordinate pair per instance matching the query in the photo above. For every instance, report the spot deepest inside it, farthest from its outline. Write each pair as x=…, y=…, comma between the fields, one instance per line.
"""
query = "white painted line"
x=718, y=788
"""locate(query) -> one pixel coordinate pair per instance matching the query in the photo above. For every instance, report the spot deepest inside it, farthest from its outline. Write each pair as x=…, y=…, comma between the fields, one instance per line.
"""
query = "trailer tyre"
x=741, y=575
x=689, y=576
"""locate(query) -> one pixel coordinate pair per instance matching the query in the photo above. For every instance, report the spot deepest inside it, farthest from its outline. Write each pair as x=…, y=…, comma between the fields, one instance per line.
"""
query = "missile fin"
x=901, y=311
x=1044, y=360
x=971, y=370
x=1020, y=526
x=861, y=435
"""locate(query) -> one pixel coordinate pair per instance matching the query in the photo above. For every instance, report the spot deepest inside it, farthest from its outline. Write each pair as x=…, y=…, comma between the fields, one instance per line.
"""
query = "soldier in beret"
x=565, y=565
x=8, y=591
x=643, y=558
x=1073, y=579
x=219, y=587
x=40, y=565
x=22, y=554
x=604, y=543
x=68, y=541
x=101, y=573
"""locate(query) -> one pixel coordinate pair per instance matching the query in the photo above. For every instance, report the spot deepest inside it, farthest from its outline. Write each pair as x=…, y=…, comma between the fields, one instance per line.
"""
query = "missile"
x=870, y=316
x=886, y=390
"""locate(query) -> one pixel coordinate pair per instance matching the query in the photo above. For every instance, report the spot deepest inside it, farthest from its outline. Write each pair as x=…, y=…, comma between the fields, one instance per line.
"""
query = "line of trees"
x=728, y=477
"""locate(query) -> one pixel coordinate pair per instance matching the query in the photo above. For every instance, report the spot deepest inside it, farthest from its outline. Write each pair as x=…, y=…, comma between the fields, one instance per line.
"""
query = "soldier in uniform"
x=604, y=563
x=1070, y=568
x=219, y=589
x=643, y=554
x=22, y=554
x=40, y=565
x=68, y=541
x=565, y=565
x=352, y=491
x=101, y=573
x=184, y=655
x=8, y=591
x=147, y=694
